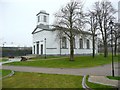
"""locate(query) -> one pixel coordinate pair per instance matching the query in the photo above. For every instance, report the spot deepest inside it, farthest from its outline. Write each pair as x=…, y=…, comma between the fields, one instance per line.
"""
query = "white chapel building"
x=45, y=40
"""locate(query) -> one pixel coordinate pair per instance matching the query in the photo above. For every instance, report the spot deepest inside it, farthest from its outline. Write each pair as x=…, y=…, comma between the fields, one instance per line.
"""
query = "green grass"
x=5, y=72
x=99, y=86
x=0, y=73
x=80, y=62
x=114, y=78
x=3, y=59
x=47, y=57
x=36, y=80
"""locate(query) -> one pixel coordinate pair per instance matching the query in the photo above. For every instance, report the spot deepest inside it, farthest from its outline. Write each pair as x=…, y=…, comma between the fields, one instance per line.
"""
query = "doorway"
x=34, y=49
x=37, y=48
x=41, y=49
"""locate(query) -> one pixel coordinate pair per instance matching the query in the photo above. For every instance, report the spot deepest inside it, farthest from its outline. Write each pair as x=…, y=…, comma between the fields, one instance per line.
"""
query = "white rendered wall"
x=53, y=44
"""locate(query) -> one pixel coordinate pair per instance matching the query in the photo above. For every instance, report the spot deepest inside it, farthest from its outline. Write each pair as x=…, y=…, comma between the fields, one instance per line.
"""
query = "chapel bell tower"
x=42, y=18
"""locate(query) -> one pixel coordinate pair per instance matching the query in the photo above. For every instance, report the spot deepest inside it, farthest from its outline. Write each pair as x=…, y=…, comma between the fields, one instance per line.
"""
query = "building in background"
x=45, y=40
x=15, y=51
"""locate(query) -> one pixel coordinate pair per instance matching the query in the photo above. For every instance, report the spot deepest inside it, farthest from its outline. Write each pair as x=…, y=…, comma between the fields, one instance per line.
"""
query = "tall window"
x=45, y=19
x=88, y=44
x=64, y=42
x=81, y=43
x=74, y=43
x=38, y=18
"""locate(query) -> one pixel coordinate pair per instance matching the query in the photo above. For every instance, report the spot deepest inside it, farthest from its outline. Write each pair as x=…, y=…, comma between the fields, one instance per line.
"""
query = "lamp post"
x=111, y=24
x=45, y=48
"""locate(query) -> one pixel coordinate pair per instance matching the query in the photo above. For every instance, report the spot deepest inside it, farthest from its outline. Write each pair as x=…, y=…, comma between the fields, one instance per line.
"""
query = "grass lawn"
x=99, y=86
x=0, y=73
x=5, y=72
x=80, y=62
x=114, y=78
x=47, y=57
x=37, y=80
x=0, y=80
x=3, y=59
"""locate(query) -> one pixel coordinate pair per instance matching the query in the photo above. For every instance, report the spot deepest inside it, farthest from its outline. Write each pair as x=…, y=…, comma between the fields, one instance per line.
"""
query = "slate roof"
x=50, y=28
x=42, y=13
x=42, y=27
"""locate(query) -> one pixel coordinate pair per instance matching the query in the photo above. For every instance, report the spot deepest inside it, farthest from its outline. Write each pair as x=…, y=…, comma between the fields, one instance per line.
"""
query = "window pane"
x=81, y=43
x=64, y=42
x=88, y=44
x=74, y=43
x=45, y=18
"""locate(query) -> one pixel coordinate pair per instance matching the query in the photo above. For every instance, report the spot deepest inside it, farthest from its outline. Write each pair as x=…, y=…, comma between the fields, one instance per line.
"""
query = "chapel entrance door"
x=37, y=48
x=41, y=49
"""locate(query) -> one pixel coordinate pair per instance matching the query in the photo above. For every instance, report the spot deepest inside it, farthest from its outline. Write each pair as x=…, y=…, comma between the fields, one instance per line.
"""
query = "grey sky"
x=18, y=18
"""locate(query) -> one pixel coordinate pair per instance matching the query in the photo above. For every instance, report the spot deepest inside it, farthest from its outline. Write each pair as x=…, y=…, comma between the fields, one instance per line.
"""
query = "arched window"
x=81, y=43
x=88, y=44
x=64, y=42
x=74, y=46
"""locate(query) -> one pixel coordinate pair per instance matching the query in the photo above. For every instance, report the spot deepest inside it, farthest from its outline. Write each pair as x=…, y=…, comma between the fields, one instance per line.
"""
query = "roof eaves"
x=34, y=30
x=42, y=13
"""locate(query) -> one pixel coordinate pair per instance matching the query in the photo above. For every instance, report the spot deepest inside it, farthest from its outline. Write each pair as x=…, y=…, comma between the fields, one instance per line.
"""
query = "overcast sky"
x=18, y=18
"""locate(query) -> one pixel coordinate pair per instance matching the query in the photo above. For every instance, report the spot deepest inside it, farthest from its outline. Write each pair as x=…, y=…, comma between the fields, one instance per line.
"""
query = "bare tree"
x=92, y=21
x=105, y=12
x=115, y=41
x=69, y=22
x=115, y=38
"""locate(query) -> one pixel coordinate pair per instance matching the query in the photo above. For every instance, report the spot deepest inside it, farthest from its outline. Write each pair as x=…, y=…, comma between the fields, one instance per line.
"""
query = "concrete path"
x=104, y=70
x=11, y=60
x=84, y=85
x=103, y=80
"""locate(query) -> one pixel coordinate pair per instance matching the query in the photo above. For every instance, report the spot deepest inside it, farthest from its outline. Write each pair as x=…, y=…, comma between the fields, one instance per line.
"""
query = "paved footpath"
x=11, y=60
x=104, y=70
x=103, y=80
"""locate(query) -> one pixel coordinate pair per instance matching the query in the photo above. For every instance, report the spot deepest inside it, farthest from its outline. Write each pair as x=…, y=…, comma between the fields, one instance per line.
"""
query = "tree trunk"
x=93, y=46
x=105, y=49
x=71, y=50
x=115, y=49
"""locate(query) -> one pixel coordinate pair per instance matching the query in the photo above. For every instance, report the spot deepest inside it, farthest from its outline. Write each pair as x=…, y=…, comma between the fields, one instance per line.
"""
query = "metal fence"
x=15, y=51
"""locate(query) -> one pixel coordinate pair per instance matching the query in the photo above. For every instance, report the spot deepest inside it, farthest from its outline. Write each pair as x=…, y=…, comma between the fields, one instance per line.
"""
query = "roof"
x=43, y=12
x=52, y=28
x=75, y=30
x=42, y=27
